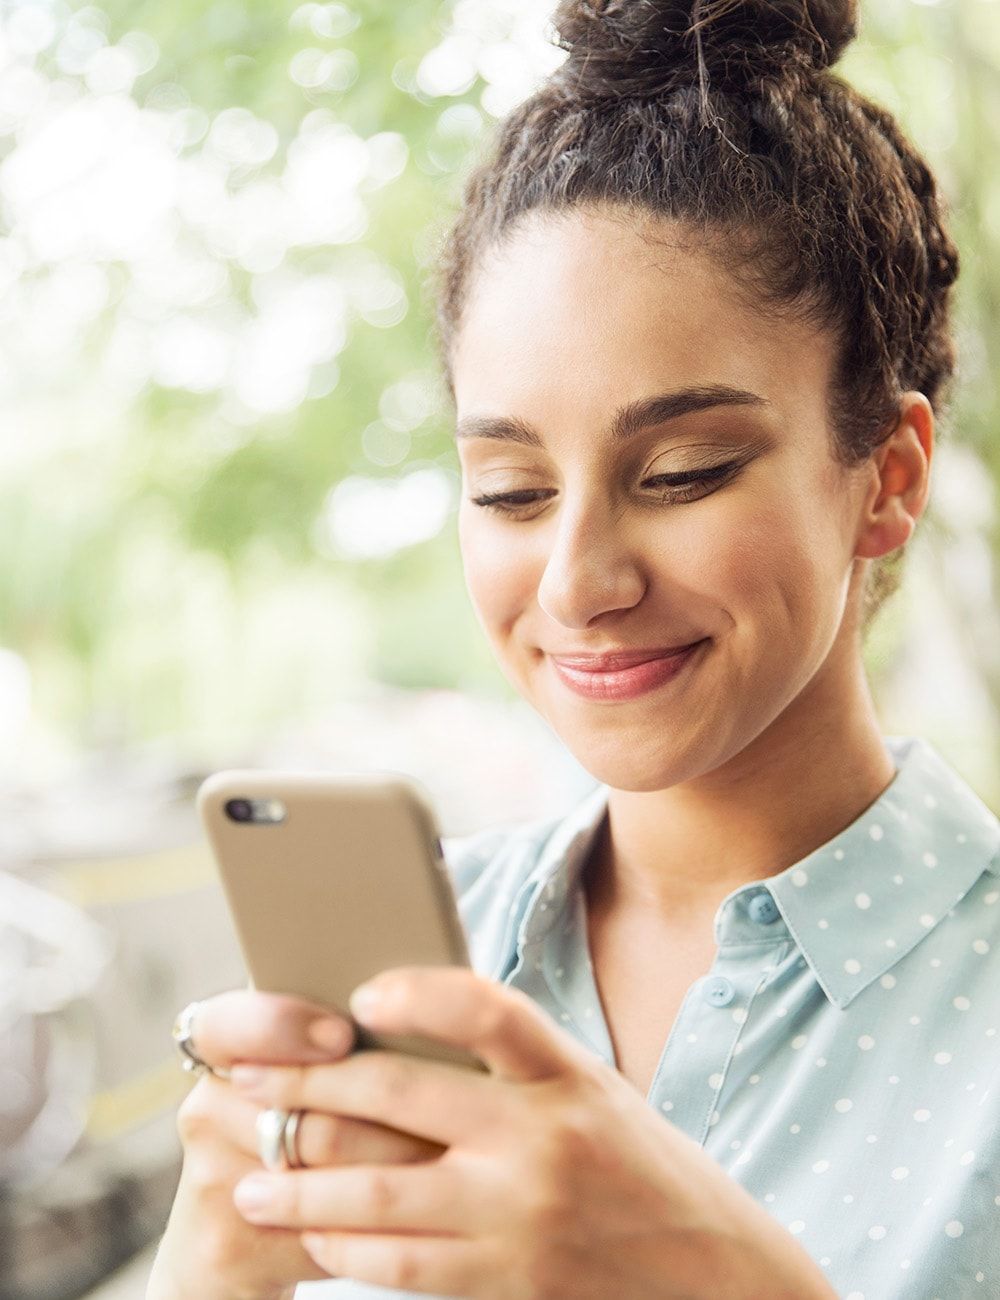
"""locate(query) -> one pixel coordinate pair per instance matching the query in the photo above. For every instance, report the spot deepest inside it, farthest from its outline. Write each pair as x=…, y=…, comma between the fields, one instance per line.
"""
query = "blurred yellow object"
x=123, y=880
x=116, y=1110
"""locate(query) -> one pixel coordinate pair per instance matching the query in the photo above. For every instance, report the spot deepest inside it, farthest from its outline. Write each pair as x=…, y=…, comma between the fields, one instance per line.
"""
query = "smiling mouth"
x=628, y=681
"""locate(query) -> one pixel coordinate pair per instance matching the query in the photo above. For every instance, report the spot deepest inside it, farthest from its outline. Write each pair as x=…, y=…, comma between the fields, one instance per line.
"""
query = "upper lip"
x=612, y=660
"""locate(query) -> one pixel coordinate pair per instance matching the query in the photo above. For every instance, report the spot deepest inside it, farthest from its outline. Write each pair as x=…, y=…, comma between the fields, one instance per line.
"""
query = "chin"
x=634, y=760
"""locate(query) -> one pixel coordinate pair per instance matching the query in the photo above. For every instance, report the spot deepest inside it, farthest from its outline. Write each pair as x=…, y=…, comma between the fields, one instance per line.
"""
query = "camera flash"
x=274, y=810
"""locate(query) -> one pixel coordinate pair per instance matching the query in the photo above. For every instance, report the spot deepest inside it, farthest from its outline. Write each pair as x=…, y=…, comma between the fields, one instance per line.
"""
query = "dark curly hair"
x=723, y=116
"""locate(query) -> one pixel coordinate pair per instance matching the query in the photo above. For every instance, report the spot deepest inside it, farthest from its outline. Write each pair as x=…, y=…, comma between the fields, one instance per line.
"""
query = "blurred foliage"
x=237, y=323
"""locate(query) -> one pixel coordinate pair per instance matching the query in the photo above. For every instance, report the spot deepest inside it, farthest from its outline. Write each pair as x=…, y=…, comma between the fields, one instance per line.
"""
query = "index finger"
x=249, y=1025
x=502, y=1025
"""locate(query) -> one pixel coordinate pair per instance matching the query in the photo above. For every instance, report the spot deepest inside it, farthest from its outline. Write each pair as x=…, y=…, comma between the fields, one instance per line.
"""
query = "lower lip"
x=626, y=683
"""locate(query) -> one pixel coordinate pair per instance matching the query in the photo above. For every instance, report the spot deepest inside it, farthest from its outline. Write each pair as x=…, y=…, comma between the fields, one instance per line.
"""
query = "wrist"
x=713, y=1265
x=168, y=1281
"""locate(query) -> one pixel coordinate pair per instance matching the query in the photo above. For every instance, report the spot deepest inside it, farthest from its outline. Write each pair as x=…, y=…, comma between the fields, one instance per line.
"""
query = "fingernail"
x=253, y=1194
x=247, y=1076
x=330, y=1035
x=366, y=1002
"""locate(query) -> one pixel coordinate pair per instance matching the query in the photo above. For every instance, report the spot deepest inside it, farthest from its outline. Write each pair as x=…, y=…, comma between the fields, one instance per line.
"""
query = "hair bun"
x=642, y=46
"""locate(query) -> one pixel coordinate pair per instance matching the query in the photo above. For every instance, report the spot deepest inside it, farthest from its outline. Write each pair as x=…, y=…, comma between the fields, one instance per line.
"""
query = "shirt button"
x=718, y=991
x=763, y=909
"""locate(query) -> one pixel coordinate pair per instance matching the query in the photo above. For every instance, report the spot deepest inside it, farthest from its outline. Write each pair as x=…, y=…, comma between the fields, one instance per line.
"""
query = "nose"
x=590, y=570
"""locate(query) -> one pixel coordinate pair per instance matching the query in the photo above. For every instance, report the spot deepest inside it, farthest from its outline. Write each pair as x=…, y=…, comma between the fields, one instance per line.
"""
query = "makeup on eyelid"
x=479, y=456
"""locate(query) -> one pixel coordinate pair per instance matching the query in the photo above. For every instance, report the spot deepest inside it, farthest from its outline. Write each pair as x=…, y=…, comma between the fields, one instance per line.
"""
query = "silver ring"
x=276, y=1134
x=181, y=1034
x=295, y=1161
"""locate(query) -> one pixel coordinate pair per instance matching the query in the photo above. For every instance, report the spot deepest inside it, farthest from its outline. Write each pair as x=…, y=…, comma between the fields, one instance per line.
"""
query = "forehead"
x=576, y=312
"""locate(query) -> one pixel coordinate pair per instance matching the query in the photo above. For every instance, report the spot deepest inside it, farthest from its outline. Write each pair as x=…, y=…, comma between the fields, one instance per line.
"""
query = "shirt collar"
x=880, y=885
x=890, y=877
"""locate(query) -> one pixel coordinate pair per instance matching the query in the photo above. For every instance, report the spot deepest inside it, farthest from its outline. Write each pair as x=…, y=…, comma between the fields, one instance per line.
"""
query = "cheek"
x=776, y=564
x=499, y=575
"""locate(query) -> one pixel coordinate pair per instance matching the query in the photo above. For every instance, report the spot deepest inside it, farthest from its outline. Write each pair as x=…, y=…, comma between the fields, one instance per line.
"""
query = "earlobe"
x=890, y=530
x=902, y=476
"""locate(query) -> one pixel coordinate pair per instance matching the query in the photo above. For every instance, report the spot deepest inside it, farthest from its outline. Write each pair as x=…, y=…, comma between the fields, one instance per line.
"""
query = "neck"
x=676, y=853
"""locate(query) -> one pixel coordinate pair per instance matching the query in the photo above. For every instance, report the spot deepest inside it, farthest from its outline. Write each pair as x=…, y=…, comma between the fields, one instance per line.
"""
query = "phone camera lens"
x=240, y=810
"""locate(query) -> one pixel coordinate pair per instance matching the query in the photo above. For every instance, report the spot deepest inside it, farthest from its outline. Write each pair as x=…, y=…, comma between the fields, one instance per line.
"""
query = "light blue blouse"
x=841, y=1060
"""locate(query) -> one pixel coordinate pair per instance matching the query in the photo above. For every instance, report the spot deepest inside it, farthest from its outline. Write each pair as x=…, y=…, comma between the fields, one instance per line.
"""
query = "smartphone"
x=331, y=879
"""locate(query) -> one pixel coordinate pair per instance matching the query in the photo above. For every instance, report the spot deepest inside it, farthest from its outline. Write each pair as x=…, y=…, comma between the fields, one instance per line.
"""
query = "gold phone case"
x=349, y=883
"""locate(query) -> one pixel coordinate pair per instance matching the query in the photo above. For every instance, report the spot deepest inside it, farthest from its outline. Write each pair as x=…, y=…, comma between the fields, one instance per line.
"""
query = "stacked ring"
x=277, y=1130
x=291, y=1140
x=277, y=1134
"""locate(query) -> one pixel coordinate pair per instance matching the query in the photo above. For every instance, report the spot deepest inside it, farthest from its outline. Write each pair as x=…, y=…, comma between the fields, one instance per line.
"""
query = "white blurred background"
x=227, y=498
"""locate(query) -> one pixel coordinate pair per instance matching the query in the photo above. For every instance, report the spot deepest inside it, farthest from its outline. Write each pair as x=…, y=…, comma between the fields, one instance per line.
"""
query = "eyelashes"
x=695, y=478
x=674, y=488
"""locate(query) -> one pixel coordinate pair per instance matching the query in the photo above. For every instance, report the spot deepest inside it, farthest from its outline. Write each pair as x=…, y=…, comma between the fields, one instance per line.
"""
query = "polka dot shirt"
x=841, y=1060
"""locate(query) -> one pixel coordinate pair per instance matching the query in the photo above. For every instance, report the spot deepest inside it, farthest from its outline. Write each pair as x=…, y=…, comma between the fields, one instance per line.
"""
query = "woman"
x=737, y=1006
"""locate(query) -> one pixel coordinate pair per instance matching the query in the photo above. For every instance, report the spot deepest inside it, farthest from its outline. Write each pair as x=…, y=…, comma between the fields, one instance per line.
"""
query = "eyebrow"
x=629, y=420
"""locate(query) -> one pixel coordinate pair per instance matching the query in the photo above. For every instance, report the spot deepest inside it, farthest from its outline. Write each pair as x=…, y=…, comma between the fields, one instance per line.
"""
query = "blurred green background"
x=227, y=485
x=227, y=507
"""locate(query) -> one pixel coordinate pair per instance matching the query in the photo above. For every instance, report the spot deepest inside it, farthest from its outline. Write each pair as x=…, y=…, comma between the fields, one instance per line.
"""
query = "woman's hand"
x=557, y=1178
x=209, y=1250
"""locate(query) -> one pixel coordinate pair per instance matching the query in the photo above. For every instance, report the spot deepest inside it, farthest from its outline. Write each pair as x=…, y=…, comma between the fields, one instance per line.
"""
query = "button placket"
x=698, y=1057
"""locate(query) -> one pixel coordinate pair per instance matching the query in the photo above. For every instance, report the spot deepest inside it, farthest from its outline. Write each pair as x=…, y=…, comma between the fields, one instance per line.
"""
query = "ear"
x=900, y=470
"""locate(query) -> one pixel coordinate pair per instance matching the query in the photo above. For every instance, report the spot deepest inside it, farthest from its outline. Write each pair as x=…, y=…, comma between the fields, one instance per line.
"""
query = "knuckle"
x=514, y=1005
x=196, y=1114
x=404, y=1271
x=392, y=1084
x=554, y=1162
x=476, y=982
x=291, y=1198
x=333, y=1254
x=204, y=1175
x=578, y=1136
x=496, y=1017
x=548, y=1210
x=380, y=1194
x=288, y=1084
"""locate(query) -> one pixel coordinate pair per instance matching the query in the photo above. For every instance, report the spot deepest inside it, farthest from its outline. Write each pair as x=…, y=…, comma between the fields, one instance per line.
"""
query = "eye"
x=506, y=503
x=681, y=487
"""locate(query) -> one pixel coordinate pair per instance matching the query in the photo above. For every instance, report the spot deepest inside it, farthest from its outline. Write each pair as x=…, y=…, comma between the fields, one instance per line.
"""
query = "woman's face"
x=568, y=330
